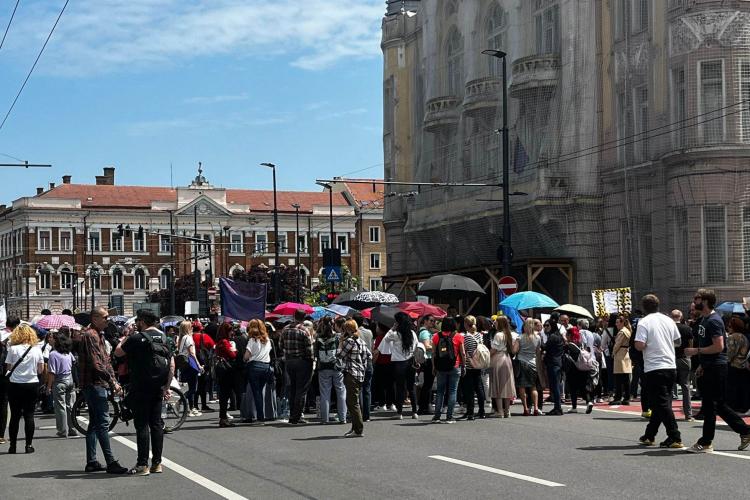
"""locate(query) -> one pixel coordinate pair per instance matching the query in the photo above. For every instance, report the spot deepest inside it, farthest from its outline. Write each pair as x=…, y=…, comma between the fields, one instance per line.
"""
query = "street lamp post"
x=329, y=187
x=276, y=276
x=227, y=244
x=507, y=257
x=296, y=243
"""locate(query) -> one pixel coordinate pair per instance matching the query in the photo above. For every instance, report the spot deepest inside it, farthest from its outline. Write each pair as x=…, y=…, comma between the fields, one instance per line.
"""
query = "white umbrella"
x=575, y=310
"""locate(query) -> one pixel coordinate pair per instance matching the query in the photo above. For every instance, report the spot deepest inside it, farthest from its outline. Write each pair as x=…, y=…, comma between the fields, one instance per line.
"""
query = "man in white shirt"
x=656, y=337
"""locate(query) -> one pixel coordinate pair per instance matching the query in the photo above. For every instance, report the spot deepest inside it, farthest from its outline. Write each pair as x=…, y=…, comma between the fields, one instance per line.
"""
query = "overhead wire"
x=10, y=21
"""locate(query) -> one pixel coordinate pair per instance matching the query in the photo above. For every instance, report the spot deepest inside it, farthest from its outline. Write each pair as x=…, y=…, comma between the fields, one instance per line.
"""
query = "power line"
x=9, y=23
x=34, y=65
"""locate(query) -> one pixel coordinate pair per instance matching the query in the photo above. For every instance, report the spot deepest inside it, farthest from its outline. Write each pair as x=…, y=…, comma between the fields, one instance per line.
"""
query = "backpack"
x=3, y=355
x=481, y=358
x=159, y=364
x=327, y=353
x=586, y=361
x=445, y=353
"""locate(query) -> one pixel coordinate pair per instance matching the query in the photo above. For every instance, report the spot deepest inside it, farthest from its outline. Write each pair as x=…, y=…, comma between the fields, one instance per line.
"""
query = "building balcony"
x=441, y=112
x=532, y=73
x=482, y=95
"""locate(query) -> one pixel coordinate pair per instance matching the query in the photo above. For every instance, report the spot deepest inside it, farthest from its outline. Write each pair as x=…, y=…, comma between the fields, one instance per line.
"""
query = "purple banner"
x=242, y=300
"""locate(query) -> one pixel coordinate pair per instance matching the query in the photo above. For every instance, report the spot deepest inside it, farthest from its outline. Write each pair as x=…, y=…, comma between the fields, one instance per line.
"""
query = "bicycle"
x=174, y=411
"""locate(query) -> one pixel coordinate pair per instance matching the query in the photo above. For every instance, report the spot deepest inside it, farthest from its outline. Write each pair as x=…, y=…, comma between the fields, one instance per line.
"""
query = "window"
x=714, y=243
x=374, y=234
x=67, y=278
x=547, y=29
x=325, y=241
x=746, y=242
x=641, y=107
x=165, y=278
x=95, y=278
x=283, y=248
x=302, y=243
x=139, y=278
x=117, y=244
x=165, y=243
x=261, y=242
x=640, y=15
x=139, y=242
x=454, y=55
x=711, y=100
x=95, y=241
x=745, y=98
x=497, y=26
x=342, y=242
x=376, y=284
x=375, y=260
x=117, y=279
x=202, y=248
x=66, y=240
x=236, y=244
x=45, y=240
x=679, y=107
x=681, y=245
x=45, y=279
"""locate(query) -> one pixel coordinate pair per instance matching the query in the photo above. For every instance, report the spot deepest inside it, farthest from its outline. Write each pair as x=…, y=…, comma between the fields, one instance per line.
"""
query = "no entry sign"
x=508, y=285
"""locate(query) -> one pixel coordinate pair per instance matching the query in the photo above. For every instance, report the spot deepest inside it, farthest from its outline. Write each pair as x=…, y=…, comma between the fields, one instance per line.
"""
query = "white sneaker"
x=392, y=408
x=229, y=417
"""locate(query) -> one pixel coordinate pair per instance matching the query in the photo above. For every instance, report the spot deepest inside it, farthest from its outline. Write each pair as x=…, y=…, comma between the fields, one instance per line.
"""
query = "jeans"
x=447, y=380
x=403, y=373
x=98, y=405
x=365, y=399
x=659, y=385
x=352, y=402
x=472, y=384
x=149, y=427
x=190, y=376
x=300, y=375
x=328, y=379
x=64, y=392
x=683, y=379
x=270, y=403
x=425, y=393
x=22, y=398
x=713, y=390
x=259, y=376
x=226, y=385
x=553, y=376
x=3, y=404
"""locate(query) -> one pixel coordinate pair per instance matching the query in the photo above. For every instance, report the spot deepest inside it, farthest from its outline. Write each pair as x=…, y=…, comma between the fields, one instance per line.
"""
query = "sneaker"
x=207, y=409
x=450, y=421
x=352, y=434
x=646, y=414
x=572, y=410
x=94, y=467
x=744, y=442
x=72, y=433
x=139, y=470
x=435, y=420
x=615, y=402
x=116, y=468
x=61, y=434
x=700, y=448
x=2, y=440
x=229, y=417
x=646, y=441
x=589, y=408
x=689, y=419
x=378, y=408
x=671, y=443
x=399, y=417
x=156, y=469
x=392, y=408
x=414, y=416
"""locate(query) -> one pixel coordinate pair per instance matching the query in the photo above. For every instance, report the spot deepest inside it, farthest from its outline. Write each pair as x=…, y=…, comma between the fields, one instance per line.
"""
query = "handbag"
x=481, y=358
x=222, y=366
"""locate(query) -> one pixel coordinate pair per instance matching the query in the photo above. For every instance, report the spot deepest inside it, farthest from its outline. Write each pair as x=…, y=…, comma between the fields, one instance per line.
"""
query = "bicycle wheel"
x=81, y=414
x=174, y=411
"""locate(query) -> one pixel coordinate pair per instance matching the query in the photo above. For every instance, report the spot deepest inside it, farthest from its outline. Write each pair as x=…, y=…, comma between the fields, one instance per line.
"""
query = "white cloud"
x=105, y=36
x=215, y=99
x=202, y=124
x=341, y=114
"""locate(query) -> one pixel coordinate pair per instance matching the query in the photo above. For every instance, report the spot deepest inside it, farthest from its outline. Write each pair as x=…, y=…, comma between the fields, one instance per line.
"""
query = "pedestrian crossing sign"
x=332, y=273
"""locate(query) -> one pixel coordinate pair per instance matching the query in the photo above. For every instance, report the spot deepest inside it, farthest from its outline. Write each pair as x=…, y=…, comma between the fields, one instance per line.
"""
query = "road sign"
x=332, y=274
x=508, y=285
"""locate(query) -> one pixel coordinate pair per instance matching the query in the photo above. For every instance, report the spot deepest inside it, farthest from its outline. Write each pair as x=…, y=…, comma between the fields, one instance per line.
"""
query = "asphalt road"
x=591, y=456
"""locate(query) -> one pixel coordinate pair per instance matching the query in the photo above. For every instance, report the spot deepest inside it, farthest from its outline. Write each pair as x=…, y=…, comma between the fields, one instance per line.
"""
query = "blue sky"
x=232, y=83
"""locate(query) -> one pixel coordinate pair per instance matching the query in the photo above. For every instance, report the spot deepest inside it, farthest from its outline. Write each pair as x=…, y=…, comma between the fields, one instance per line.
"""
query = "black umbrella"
x=385, y=315
x=345, y=297
x=83, y=318
x=450, y=285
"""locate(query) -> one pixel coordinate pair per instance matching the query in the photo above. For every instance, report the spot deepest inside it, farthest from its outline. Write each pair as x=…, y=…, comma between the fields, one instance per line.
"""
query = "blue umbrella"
x=529, y=300
x=319, y=312
x=731, y=308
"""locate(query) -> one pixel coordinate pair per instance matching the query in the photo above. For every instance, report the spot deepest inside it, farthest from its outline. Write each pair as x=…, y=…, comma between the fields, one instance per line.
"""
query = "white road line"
x=732, y=455
x=47, y=427
x=188, y=474
x=500, y=472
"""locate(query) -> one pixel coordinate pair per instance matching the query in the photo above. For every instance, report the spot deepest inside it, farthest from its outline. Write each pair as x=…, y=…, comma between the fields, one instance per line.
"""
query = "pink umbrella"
x=288, y=308
x=56, y=321
x=418, y=309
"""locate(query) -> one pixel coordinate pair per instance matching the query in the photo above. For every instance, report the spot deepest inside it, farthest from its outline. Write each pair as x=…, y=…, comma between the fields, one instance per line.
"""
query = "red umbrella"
x=419, y=309
x=289, y=308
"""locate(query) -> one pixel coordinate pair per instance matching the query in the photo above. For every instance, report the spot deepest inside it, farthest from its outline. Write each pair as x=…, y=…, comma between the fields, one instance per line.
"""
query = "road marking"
x=732, y=455
x=500, y=472
x=47, y=427
x=188, y=474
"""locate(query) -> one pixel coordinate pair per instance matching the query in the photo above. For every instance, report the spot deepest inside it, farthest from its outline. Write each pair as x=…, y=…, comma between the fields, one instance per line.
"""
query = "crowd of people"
x=347, y=369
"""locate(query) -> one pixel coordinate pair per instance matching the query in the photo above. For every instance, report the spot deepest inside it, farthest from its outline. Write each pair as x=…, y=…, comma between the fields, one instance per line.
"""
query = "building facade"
x=627, y=148
x=62, y=245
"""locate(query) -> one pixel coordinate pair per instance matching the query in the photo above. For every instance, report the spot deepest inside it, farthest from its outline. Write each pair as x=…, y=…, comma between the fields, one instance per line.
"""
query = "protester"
x=426, y=331
x=224, y=371
x=553, y=354
x=204, y=352
x=621, y=362
x=656, y=336
x=240, y=340
x=151, y=369
x=502, y=381
x=402, y=341
x=354, y=355
x=330, y=376
x=60, y=383
x=190, y=368
x=366, y=390
x=448, y=360
x=529, y=345
x=472, y=380
x=738, y=376
x=298, y=357
x=384, y=388
x=683, y=364
x=10, y=324
x=580, y=371
x=257, y=355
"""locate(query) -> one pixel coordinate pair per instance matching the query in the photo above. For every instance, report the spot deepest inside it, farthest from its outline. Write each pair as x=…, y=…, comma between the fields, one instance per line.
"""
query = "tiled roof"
x=103, y=196
x=367, y=195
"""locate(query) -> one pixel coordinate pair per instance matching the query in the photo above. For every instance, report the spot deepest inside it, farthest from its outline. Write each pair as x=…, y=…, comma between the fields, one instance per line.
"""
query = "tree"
x=184, y=290
x=259, y=273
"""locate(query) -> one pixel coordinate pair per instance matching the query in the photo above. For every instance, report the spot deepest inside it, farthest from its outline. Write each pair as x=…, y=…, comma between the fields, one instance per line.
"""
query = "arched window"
x=140, y=279
x=117, y=279
x=45, y=279
x=95, y=278
x=497, y=29
x=67, y=278
x=454, y=56
x=165, y=278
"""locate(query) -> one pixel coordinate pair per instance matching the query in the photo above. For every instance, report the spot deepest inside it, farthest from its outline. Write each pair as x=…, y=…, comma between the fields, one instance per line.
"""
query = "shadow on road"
x=66, y=474
x=319, y=438
x=612, y=448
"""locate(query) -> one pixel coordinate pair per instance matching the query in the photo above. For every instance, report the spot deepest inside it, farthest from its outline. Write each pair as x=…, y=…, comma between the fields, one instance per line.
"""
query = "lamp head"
x=494, y=53
x=269, y=165
x=295, y=206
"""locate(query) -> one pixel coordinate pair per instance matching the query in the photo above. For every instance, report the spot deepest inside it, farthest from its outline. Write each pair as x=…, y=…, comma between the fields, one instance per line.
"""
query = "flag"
x=520, y=158
x=510, y=312
x=242, y=300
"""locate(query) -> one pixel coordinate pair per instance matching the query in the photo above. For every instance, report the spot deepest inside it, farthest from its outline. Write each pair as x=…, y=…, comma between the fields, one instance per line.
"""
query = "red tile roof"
x=100, y=196
x=367, y=195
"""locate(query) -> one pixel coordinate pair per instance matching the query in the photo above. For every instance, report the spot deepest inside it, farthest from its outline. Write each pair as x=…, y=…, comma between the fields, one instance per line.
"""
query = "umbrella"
x=419, y=309
x=56, y=321
x=367, y=313
x=341, y=310
x=363, y=300
x=731, y=308
x=345, y=297
x=450, y=285
x=385, y=315
x=529, y=300
x=575, y=310
x=319, y=312
x=172, y=319
x=83, y=318
x=119, y=319
x=289, y=308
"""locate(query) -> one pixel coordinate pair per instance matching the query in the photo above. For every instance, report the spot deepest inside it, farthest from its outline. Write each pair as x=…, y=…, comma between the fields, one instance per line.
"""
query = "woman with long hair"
x=738, y=377
x=426, y=331
x=190, y=371
x=24, y=363
x=329, y=374
x=60, y=383
x=529, y=345
x=502, y=382
x=225, y=354
x=382, y=378
x=259, y=371
x=621, y=361
x=472, y=380
x=403, y=341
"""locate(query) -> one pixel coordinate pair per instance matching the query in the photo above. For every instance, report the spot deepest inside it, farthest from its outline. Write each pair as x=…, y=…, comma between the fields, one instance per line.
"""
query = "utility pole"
x=276, y=277
x=171, y=265
x=196, y=273
x=296, y=243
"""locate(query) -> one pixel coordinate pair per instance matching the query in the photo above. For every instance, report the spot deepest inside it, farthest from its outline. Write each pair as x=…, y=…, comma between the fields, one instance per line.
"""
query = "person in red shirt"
x=225, y=354
x=448, y=361
x=204, y=346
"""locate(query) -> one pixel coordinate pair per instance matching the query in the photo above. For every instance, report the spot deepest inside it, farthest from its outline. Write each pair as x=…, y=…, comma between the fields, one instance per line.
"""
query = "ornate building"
x=628, y=128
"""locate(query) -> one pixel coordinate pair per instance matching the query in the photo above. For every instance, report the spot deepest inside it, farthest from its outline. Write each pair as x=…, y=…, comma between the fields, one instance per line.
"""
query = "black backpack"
x=445, y=353
x=3, y=355
x=159, y=364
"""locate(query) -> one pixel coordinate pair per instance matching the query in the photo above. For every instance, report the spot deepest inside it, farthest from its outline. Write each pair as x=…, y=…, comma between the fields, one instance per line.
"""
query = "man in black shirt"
x=712, y=375
x=553, y=352
x=683, y=363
